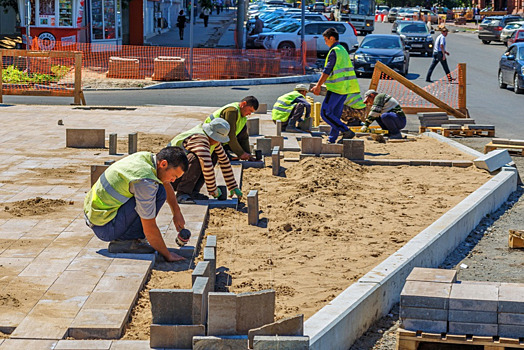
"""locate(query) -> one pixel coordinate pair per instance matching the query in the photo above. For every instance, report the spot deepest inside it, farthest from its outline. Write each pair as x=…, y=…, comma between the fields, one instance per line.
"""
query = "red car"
x=516, y=37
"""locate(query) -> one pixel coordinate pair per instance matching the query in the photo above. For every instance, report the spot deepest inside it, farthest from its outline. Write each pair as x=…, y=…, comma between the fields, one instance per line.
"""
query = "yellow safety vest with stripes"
x=342, y=79
x=284, y=105
x=178, y=140
x=241, y=121
x=111, y=190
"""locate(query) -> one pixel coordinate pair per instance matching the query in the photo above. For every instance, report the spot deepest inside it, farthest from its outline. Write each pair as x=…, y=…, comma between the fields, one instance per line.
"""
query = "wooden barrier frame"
x=461, y=112
x=77, y=92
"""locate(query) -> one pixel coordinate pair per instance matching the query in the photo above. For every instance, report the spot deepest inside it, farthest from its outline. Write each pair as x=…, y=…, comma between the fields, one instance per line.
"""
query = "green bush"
x=13, y=75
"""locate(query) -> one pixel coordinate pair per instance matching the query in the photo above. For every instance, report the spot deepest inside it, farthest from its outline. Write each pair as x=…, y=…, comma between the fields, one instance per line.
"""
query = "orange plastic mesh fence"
x=442, y=89
x=173, y=63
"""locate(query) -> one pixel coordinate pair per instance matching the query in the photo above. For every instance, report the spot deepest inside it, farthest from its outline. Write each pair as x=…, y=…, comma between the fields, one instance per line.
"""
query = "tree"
x=6, y=4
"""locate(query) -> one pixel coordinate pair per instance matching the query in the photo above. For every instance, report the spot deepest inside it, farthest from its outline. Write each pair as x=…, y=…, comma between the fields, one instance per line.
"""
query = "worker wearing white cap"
x=290, y=108
x=386, y=111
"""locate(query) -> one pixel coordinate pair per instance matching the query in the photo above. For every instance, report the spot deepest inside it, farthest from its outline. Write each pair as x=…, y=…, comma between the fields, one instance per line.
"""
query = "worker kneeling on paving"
x=236, y=114
x=290, y=107
x=203, y=147
x=386, y=111
x=122, y=205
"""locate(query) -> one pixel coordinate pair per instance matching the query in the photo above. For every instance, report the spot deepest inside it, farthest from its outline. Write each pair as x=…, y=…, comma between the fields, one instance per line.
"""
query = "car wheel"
x=286, y=47
x=486, y=42
x=502, y=85
x=516, y=88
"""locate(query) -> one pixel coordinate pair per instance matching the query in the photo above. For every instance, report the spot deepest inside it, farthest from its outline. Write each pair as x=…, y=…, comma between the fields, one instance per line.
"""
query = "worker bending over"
x=386, y=111
x=122, y=205
x=290, y=108
x=202, y=145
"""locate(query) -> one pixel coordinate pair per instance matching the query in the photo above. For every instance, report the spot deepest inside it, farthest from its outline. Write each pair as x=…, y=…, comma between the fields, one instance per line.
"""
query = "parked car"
x=509, y=29
x=415, y=34
x=386, y=48
x=382, y=10
x=491, y=27
x=392, y=14
x=408, y=14
x=433, y=17
x=289, y=37
x=511, y=68
x=318, y=7
x=310, y=16
x=516, y=37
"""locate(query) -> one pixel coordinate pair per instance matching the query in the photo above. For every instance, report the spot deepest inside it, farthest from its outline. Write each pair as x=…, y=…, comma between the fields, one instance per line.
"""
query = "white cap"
x=217, y=129
x=301, y=87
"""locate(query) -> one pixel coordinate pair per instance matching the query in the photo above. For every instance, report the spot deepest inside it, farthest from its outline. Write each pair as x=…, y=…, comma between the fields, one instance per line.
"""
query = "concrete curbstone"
x=174, y=336
x=252, y=207
x=253, y=126
x=511, y=298
x=233, y=342
x=419, y=313
x=432, y=295
x=264, y=145
x=472, y=316
x=222, y=315
x=493, y=160
x=289, y=326
x=254, y=309
x=201, y=289
x=311, y=145
x=202, y=269
x=210, y=256
x=510, y=331
x=172, y=306
x=353, y=149
x=86, y=138
x=264, y=342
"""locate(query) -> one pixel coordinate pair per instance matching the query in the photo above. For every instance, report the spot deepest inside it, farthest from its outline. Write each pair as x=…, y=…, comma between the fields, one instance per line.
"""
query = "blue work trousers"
x=126, y=225
x=392, y=122
x=331, y=111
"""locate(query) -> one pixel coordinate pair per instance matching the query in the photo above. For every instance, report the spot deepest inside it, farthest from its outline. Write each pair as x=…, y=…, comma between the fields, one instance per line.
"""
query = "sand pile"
x=34, y=206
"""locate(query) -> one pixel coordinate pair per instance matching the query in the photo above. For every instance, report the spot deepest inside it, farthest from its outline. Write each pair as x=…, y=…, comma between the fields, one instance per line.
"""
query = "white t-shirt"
x=441, y=40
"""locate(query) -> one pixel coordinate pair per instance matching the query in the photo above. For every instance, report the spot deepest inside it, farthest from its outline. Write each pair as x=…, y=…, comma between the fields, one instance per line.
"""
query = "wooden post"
x=375, y=78
x=252, y=207
x=316, y=113
x=78, y=78
x=462, y=86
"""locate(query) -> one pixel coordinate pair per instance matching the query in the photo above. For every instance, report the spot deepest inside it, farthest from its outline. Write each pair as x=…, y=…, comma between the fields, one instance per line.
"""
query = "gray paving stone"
x=232, y=342
x=511, y=331
x=482, y=329
x=511, y=298
x=275, y=161
x=254, y=309
x=493, y=160
x=29, y=344
x=171, y=306
x=428, y=115
x=252, y=207
x=210, y=257
x=253, y=126
x=276, y=141
x=324, y=128
x=174, y=336
x=83, y=345
x=433, y=295
x=262, y=109
x=472, y=316
x=480, y=126
x=201, y=289
x=511, y=318
x=289, y=326
x=264, y=144
x=353, y=149
x=264, y=342
x=452, y=126
x=429, y=326
x=420, y=313
x=98, y=324
x=201, y=270
x=130, y=345
x=96, y=171
x=222, y=319
x=86, y=138
x=332, y=148
x=474, y=297
x=311, y=145
x=432, y=275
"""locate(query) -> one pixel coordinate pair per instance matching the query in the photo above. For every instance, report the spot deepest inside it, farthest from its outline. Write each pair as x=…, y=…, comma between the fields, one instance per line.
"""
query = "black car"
x=386, y=48
x=511, y=68
x=491, y=27
x=415, y=34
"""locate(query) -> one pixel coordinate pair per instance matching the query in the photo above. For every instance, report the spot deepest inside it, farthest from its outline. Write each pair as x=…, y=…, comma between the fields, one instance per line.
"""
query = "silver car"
x=509, y=29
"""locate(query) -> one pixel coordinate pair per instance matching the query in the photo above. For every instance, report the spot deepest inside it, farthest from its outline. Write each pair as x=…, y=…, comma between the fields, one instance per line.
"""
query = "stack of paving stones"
x=429, y=119
x=314, y=147
x=433, y=301
x=200, y=318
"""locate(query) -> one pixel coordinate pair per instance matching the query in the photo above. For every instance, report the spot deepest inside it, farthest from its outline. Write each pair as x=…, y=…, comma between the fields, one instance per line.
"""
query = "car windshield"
x=414, y=28
x=491, y=22
x=381, y=43
x=513, y=26
x=287, y=28
x=521, y=53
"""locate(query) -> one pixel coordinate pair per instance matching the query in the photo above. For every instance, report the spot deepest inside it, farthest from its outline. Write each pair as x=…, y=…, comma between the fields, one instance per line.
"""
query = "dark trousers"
x=392, y=122
x=127, y=224
x=206, y=20
x=296, y=114
x=193, y=178
x=331, y=111
x=437, y=57
x=181, y=32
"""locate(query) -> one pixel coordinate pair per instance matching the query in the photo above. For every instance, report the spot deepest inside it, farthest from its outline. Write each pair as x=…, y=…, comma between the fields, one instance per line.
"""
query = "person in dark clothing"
x=181, y=23
x=205, y=15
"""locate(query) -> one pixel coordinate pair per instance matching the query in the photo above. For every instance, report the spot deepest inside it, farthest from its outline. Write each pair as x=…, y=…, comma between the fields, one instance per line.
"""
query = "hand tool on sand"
x=183, y=237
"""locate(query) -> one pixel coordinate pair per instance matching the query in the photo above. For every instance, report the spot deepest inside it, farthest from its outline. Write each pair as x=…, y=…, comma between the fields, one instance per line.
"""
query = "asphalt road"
x=486, y=102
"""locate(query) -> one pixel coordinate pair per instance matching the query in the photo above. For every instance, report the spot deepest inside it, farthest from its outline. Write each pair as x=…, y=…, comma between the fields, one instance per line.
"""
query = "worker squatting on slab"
x=386, y=111
x=290, y=108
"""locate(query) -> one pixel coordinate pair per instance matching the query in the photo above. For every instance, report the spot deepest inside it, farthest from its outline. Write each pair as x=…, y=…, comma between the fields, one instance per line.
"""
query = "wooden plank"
x=462, y=85
x=58, y=93
x=25, y=53
x=415, y=110
x=78, y=77
x=405, y=339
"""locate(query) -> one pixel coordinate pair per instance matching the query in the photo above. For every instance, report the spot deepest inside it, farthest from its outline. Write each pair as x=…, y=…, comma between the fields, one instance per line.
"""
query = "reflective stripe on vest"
x=178, y=140
x=111, y=190
x=355, y=101
x=342, y=79
x=284, y=105
x=241, y=121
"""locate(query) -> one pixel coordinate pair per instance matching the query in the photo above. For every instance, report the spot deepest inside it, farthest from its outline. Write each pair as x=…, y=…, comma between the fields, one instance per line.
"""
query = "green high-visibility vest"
x=241, y=121
x=111, y=190
x=342, y=79
x=354, y=100
x=178, y=140
x=284, y=105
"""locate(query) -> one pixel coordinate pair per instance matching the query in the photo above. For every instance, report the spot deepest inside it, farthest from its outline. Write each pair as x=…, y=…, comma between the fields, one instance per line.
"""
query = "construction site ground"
x=325, y=222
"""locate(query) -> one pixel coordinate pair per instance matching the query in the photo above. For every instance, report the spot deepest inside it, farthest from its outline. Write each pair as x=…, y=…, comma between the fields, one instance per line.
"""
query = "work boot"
x=290, y=128
x=131, y=246
x=397, y=136
x=346, y=135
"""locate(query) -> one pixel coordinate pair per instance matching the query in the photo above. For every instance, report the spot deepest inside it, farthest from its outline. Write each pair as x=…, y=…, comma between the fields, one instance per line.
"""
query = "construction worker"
x=122, y=205
x=201, y=144
x=386, y=111
x=290, y=107
x=341, y=80
x=354, y=112
x=236, y=115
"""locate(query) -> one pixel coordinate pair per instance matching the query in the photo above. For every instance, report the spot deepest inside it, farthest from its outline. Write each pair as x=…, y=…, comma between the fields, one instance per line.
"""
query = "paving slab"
x=481, y=329
x=432, y=275
x=511, y=298
x=433, y=295
x=83, y=345
x=474, y=297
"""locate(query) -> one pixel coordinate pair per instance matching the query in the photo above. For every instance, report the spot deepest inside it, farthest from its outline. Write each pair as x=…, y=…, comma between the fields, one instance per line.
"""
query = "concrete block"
x=419, y=162
x=279, y=129
x=86, y=138
x=253, y=126
x=306, y=124
x=482, y=329
x=221, y=314
x=441, y=163
x=132, y=145
x=472, y=316
x=276, y=141
x=201, y=289
x=172, y=306
x=462, y=163
x=311, y=145
x=420, y=313
x=432, y=114
x=211, y=241
x=264, y=145
x=289, y=326
x=452, y=126
x=493, y=160
x=264, y=342
x=432, y=275
x=429, y=326
x=433, y=295
x=83, y=345
x=511, y=318
x=232, y=342
x=480, y=127
x=331, y=148
x=254, y=309
x=353, y=149
x=202, y=269
x=210, y=256
x=262, y=108
x=474, y=297
x=398, y=162
x=113, y=142
x=324, y=128
x=511, y=298
x=96, y=171
x=174, y=336
x=302, y=156
x=461, y=121
x=252, y=207
x=510, y=331
x=275, y=161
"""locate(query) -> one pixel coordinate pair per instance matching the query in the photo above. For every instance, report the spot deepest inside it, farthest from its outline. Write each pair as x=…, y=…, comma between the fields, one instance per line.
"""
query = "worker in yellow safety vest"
x=341, y=81
x=236, y=115
x=290, y=108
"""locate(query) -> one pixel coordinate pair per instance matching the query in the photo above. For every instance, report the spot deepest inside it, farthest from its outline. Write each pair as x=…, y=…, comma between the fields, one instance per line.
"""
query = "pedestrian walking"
x=439, y=55
x=181, y=24
x=205, y=15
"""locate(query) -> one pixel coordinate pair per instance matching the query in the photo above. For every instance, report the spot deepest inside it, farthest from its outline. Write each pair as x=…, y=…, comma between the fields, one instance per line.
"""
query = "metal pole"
x=28, y=25
x=240, y=23
x=302, y=28
x=191, y=38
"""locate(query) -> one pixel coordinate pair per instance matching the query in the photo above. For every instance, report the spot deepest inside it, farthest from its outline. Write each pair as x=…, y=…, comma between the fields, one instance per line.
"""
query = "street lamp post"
x=191, y=21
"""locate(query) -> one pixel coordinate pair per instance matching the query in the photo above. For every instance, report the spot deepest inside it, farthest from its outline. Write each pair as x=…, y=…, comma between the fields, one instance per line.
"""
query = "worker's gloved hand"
x=364, y=128
x=216, y=193
x=236, y=192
